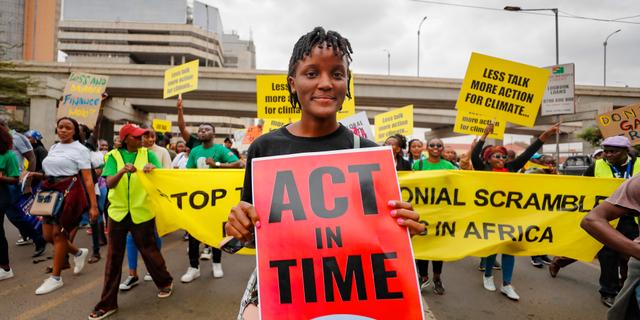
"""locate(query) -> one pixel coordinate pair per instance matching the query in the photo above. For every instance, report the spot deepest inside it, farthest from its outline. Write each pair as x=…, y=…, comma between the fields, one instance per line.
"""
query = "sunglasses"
x=500, y=156
x=435, y=145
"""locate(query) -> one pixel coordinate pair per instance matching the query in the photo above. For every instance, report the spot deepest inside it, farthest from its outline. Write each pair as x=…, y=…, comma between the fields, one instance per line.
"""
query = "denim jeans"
x=17, y=218
x=508, y=264
x=132, y=250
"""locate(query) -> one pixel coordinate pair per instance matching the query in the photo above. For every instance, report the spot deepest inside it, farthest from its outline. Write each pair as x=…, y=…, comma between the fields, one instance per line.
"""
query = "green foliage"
x=13, y=89
x=592, y=135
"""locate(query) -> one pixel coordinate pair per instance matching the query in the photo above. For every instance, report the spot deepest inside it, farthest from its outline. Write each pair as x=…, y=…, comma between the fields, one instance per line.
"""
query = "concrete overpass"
x=136, y=92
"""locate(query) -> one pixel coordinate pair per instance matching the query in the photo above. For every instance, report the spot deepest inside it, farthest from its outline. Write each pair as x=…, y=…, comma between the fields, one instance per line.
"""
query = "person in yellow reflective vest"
x=616, y=163
x=129, y=212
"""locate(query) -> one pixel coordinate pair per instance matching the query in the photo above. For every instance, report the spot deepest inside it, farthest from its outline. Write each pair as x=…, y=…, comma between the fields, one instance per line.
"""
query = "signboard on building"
x=82, y=98
x=559, y=96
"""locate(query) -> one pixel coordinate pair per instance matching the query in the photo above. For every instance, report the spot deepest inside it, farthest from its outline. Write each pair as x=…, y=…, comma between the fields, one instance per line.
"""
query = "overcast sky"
x=449, y=34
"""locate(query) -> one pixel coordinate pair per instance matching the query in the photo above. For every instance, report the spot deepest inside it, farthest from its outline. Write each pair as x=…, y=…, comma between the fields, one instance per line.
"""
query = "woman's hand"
x=148, y=168
x=93, y=214
x=487, y=131
x=405, y=216
x=553, y=130
x=242, y=219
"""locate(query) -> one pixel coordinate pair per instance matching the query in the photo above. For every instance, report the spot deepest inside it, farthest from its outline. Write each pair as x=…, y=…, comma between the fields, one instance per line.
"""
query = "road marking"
x=73, y=293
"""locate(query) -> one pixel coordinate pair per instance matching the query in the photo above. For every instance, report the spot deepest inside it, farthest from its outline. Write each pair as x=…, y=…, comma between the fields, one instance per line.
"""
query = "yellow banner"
x=273, y=99
x=161, y=126
x=503, y=89
x=468, y=213
x=473, y=123
x=399, y=120
x=181, y=79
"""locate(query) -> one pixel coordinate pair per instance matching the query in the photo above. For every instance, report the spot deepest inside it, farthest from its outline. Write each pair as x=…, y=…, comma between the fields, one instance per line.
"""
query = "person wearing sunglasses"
x=435, y=161
x=495, y=159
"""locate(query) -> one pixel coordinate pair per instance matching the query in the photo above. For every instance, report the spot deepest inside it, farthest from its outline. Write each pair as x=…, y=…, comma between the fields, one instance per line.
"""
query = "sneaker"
x=424, y=284
x=80, y=260
x=488, y=283
x=24, y=241
x=4, y=274
x=216, y=269
x=607, y=301
x=510, y=292
x=128, y=283
x=147, y=277
x=165, y=292
x=39, y=251
x=190, y=275
x=49, y=285
x=497, y=265
x=206, y=254
x=437, y=287
x=537, y=262
x=545, y=259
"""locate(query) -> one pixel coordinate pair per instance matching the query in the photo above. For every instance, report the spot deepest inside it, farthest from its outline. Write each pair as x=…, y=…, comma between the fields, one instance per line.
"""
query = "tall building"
x=28, y=29
x=239, y=54
x=168, y=32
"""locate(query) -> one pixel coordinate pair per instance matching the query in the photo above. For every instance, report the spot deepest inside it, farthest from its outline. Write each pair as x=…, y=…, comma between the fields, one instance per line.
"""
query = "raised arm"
x=181, y=124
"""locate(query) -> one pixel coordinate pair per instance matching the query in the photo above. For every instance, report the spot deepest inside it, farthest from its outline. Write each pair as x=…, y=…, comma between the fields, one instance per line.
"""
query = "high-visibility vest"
x=129, y=195
x=604, y=170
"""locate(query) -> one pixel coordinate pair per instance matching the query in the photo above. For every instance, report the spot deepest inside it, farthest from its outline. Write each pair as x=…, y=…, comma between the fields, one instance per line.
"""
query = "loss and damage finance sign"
x=481, y=213
x=621, y=122
x=273, y=100
x=510, y=213
x=328, y=244
x=503, y=89
x=82, y=98
x=399, y=120
x=181, y=79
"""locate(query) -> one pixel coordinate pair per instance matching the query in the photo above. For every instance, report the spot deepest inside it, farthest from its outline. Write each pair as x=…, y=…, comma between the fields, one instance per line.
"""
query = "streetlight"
x=388, y=61
x=555, y=12
x=420, y=26
x=605, y=54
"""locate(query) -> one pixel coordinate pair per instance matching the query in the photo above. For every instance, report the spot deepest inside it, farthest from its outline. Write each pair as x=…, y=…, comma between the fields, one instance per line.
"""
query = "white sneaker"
x=49, y=285
x=206, y=254
x=147, y=277
x=488, y=283
x=128, y=283
x=510, y=292
x=24, y=242
x=190, y=275
x=217, y=270
x=80, y=260
x=6, y=274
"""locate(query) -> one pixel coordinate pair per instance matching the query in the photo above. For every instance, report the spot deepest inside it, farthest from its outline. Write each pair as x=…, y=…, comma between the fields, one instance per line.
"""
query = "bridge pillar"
x=43, y=96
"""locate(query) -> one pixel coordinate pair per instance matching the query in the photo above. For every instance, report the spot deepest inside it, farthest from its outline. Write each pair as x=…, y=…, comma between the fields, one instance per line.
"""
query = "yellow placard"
x=473, y=123
x=503, y=89
x=399, y=120
x=181, y=79
x=274, y=124
x=161, y=126
x=468, y=213
x=272, y=99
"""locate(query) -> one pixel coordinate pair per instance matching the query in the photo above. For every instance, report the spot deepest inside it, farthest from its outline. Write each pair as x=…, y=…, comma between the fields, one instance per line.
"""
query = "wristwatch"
x=217, y=164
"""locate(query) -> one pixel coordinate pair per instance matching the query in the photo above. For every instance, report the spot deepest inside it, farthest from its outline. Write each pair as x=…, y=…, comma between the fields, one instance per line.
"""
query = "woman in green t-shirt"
x=434, y=162
x=9, y=172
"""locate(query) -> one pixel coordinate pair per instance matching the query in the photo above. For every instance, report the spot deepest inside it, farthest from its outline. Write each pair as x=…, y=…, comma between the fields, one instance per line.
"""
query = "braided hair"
x=318, y=37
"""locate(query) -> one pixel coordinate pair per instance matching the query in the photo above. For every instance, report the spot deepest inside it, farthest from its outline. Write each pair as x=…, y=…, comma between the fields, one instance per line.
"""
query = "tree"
x=13, y=89
x=592, y=135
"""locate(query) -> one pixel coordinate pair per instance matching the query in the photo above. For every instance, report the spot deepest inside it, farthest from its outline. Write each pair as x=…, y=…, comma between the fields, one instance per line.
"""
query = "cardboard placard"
x=162, y=126
x=621, y=122
x=474, y=124
x=181, y=79
x=273, y=102
x=503, y=89
x=399, y=120
x=327, y=244
x=82, y=98
x=359, y=125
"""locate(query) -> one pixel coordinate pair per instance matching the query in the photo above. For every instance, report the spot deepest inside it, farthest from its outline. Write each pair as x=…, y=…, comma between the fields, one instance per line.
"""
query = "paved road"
x=573, y=295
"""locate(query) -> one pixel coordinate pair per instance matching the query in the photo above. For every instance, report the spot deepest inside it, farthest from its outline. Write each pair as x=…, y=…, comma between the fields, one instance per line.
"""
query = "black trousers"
x=612, y=263
x=423, y=267
x=194, y=253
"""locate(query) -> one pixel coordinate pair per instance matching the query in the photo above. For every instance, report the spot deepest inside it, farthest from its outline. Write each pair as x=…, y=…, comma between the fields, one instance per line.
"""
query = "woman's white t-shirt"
x=66, y=159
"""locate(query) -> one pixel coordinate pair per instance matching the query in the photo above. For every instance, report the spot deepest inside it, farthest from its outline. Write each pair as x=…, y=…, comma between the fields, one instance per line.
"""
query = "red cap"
x=131, y=129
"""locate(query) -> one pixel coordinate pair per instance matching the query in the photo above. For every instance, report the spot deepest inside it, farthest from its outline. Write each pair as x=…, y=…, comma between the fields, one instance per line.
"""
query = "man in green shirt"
x=207, y=155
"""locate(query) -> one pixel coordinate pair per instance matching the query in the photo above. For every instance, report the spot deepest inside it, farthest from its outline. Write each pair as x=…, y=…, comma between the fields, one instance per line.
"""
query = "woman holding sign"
x=495, y=159
x=317, y=82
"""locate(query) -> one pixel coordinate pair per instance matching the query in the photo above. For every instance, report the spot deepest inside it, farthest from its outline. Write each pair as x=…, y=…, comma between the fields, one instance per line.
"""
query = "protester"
x=624, y=202
x=180, y=161
x=205, y=156
x=68, y=170
x=450, y=155
x=598, y=154
x=318, y=80
x=544, y=164
x=228, y=144
x=149, y=142
x=398, y=143
x=415, y=151
x=103, y=146
x=35, y=138
x=130, y=212
x=616, y=163
x=9, y=173
x=495, y=159
x=435, y=161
